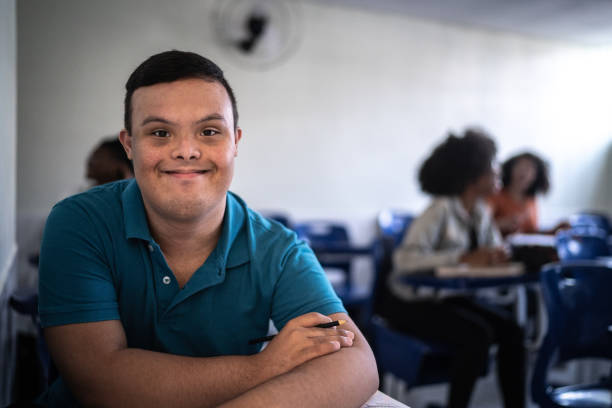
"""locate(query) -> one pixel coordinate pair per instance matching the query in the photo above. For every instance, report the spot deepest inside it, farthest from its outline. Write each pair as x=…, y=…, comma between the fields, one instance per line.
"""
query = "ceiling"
x=587, y=22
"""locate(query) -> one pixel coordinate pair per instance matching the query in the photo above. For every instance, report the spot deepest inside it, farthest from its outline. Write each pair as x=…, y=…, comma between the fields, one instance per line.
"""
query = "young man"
x=151, y=289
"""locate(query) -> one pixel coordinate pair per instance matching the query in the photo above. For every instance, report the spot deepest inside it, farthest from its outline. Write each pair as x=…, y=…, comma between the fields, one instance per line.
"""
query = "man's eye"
x=209, y=132
x=160, y=133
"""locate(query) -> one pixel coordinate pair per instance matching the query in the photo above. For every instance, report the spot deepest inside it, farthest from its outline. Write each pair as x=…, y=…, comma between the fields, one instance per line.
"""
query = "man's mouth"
x=188, y=173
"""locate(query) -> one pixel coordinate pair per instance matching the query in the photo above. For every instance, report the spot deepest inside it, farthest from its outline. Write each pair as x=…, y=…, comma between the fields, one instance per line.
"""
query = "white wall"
x=340, y=128
x=8, y=135
x=8, y=140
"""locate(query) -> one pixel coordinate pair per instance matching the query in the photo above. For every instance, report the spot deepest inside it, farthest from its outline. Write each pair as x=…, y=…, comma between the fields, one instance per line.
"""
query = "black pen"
x=321, y=326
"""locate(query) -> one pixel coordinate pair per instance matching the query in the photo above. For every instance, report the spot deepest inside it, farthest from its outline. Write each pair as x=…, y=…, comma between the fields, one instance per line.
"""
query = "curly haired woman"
x=457, y=228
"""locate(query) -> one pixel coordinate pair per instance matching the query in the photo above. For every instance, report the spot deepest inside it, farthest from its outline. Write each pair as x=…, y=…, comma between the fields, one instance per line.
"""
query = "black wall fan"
x=257, y=34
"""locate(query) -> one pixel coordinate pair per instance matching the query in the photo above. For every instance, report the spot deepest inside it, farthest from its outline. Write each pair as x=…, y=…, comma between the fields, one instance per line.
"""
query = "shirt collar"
x=462, y=213
x=134, y=216
x=233, y=244
x=232, y=248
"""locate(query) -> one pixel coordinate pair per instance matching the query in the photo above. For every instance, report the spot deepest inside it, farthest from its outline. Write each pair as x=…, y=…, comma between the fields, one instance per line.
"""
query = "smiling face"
x=183, y=146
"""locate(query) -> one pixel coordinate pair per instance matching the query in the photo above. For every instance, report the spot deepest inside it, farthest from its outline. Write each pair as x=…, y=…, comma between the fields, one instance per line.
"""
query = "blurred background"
x=340, y=100
x=338, y=127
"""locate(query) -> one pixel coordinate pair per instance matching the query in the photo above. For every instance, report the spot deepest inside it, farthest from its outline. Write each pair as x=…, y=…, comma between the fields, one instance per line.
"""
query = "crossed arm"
x=302, y=366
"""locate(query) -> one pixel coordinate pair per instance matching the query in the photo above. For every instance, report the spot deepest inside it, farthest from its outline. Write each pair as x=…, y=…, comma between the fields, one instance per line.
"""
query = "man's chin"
x=186, y=210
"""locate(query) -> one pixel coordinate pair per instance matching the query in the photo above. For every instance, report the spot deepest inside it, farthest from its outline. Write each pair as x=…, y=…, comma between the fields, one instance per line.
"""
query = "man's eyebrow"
x=150, y=119
x=212, y=116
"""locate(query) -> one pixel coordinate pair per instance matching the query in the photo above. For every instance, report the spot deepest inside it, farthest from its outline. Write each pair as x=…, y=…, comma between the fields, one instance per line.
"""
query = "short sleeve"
x=75, y=283
x=302, y=287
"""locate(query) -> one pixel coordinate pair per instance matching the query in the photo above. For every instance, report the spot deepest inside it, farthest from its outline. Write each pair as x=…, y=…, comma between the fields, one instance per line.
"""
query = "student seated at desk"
x=514, y=207
x=151, y=288
x=457, y=228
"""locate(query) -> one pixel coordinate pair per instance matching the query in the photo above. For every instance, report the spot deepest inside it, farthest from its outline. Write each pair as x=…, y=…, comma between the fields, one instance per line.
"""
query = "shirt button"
x=166, y=280
x=150, y=248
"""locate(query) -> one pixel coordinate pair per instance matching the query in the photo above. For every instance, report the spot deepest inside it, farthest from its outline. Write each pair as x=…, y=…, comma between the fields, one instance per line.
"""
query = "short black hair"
x=541, y=184
x=115, y=149
x=457, y=162
x=170, y=66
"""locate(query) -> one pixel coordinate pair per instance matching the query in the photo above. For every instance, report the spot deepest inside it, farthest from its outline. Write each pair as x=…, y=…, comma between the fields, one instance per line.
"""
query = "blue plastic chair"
x=332, y=245
x=26, y=303
x=393, y=224
x=593, y=219
x=278, y=216
x=582, y=243
x=415, y=361
x=577, y=296
x=322, y=235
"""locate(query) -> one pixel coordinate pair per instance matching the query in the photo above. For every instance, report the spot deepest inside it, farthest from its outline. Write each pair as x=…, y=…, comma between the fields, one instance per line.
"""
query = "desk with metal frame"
x=520, y=282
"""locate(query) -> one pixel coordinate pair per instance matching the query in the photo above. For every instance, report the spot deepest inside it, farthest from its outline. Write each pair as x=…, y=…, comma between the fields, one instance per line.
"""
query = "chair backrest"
x=394, y=224
x=278, y=216
x=579, y=303
x=383, y=248
x=595, y=219
x=581, y=243
x=26, y=303
x=322, y=233
x=578, y=296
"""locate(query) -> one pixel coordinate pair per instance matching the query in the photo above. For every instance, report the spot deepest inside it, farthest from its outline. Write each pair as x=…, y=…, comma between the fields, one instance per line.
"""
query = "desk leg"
x=520, y=305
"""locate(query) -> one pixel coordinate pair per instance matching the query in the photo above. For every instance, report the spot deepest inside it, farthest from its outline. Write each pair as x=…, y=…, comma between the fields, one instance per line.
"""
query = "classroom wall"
x=8, y=132
x=337, y=130
x=8, y=138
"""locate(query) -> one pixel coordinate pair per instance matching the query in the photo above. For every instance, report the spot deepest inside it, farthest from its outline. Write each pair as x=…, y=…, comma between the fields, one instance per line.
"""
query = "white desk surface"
x=380, y=400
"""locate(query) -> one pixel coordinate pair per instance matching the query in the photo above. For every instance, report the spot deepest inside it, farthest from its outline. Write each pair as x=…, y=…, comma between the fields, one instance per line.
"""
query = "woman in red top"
x=514, y=207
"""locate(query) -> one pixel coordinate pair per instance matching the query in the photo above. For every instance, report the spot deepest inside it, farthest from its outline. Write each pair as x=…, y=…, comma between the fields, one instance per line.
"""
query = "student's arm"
x=343, y=379
x=100, y=370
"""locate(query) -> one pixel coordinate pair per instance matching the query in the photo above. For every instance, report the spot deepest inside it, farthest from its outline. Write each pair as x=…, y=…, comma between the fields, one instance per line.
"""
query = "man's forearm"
x=142, y=378
x=346, y=378
x=100, y=370
x=134, y=377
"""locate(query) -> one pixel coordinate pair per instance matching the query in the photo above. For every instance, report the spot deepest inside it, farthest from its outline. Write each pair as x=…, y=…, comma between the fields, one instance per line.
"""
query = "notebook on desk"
x=533, y=250
x=463, y=270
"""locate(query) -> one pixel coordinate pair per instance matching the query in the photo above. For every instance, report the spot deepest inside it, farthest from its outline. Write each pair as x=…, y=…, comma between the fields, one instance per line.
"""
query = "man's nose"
x=186, y=148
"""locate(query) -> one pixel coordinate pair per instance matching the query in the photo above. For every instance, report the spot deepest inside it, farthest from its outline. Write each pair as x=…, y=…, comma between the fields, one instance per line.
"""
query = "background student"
x=457, y=228
x=514, y=207
x=108, y=162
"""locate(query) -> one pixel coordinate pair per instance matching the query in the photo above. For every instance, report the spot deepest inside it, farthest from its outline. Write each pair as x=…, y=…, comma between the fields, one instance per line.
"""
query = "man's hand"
x=343, y=377
x=300, y=341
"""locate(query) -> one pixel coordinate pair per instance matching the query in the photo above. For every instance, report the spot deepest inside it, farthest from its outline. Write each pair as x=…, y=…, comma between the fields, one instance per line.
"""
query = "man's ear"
x=126, y=140
x=237, y=138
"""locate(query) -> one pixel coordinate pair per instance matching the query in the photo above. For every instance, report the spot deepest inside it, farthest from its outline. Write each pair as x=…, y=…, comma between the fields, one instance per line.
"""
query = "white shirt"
x=439, y=237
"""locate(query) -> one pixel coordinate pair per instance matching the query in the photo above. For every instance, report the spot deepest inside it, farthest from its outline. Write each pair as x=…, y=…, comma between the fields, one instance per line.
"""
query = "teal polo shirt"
x=98, y=261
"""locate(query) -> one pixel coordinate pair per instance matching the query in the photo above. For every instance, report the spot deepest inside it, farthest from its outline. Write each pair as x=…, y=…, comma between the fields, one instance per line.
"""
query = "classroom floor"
x=487, y=395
